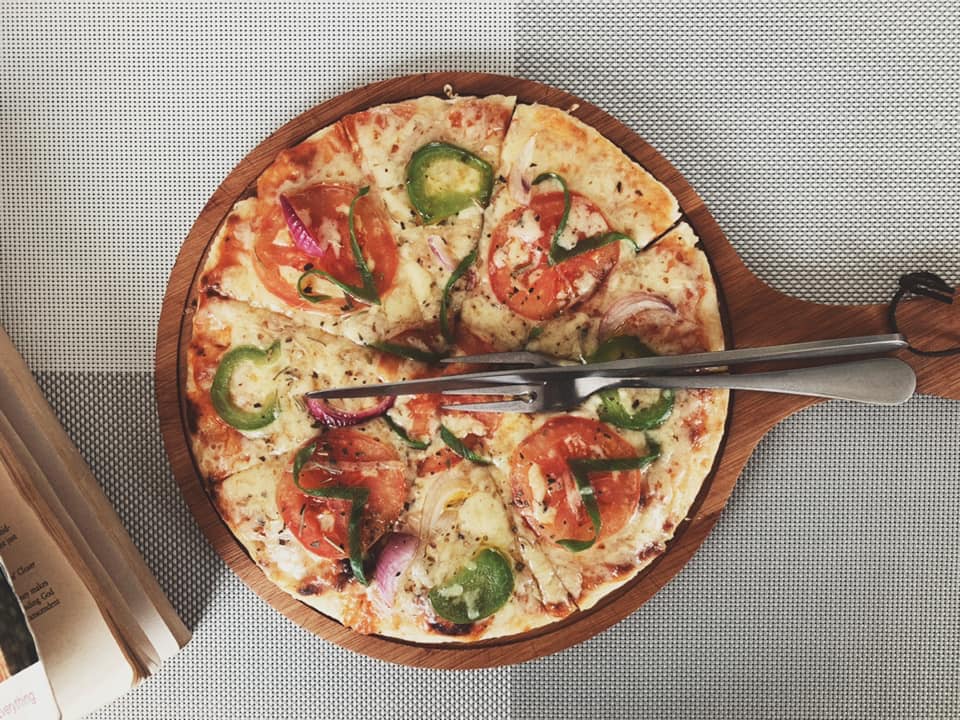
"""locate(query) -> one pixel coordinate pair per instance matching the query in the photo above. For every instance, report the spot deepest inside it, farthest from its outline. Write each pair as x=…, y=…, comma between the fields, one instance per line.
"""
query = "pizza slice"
x=458, y=511
x=467, y=579
x=247, y=371
x=317, y=244
x=436, y=162
x=382, y=539
x=573, y=208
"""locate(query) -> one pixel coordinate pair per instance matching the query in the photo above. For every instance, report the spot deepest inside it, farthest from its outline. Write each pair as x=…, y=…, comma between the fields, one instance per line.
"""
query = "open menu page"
x=83, y=661
x=61, y=475
x=24, y=688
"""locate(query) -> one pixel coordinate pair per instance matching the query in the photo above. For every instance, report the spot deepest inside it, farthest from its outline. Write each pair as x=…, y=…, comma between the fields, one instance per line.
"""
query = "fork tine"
x=511, y=390
x=519, y=406
x=520, y=357
x=523, y=398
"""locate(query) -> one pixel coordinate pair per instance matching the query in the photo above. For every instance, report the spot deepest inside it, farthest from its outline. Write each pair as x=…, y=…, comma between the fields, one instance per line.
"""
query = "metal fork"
x=881, y=381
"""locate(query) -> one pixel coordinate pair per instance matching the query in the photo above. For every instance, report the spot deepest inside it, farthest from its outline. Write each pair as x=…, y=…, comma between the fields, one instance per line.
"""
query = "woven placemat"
x=824, y=137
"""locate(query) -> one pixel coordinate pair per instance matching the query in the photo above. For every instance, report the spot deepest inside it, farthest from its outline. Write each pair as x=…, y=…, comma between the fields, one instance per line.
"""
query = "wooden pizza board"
x=754, y=315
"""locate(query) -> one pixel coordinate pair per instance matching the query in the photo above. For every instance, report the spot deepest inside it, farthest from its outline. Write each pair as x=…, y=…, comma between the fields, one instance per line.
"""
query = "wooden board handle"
x=927, y=323
x=760, y=315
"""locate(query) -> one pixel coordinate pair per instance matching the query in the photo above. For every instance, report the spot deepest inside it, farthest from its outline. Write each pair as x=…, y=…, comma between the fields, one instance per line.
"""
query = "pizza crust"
x=543, y=139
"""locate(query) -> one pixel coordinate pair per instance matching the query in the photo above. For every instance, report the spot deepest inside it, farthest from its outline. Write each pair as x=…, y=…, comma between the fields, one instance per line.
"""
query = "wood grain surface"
x=754, y=315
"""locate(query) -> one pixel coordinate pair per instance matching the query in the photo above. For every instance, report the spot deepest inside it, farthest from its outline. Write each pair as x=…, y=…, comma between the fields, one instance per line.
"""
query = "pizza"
x=425, y=230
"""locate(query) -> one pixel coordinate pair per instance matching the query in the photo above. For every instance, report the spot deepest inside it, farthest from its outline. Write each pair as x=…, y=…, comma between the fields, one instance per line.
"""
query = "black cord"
x=928, y=285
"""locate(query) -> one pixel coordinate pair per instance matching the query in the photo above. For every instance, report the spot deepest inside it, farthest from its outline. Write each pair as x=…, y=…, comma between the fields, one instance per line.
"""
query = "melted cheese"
x=250, y=384
x=538, y=489
x=463, y=424
x=482, y=516
x=329, y=234
x=581, y=222
x=526, y=229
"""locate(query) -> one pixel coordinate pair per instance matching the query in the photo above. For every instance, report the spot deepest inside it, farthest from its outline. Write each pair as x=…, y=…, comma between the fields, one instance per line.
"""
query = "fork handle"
x=881, y=381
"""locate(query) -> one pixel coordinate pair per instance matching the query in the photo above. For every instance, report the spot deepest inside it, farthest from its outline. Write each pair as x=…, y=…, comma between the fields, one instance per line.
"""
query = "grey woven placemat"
x=824, y=137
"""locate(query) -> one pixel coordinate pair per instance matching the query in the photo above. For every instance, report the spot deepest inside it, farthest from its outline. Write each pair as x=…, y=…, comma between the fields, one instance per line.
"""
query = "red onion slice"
x=302, y=237
x=439, y=248
x=398, y=551
x=470, y=279
x=332, y=417
x=630, y=305
x=518, y=183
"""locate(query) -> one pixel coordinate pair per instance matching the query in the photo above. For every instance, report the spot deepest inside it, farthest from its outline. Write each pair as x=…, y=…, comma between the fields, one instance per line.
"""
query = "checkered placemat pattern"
x=825, y=137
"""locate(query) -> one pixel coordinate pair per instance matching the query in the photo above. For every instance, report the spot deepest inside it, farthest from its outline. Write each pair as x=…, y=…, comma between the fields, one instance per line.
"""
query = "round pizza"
x=416, y=232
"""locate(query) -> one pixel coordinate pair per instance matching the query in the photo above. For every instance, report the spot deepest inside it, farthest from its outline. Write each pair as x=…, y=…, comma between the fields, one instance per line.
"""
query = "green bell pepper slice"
x=220, y=389
x=620, y=347
x=458, y=272
x=611, y=408
x=653, y=416
x=457, y=445
x=581, y=469
x=558, y=253
x=435, y=199
x=358, y=500
x=404, y=435
x=304, y=291
x=477, y=590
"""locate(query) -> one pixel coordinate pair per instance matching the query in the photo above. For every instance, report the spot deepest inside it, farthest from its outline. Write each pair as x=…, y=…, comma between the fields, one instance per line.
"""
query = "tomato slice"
x=468, y=343
x=324, y=209
x=424, y=414
x=345, y=457
x=544, y=488
x=520, y=273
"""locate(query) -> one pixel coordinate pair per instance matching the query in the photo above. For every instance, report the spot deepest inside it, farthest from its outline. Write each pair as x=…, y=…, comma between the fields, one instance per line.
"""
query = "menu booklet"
x=98, y=617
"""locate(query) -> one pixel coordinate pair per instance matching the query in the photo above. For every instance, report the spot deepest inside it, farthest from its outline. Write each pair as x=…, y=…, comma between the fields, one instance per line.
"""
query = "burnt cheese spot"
x=449, y=628
x=193, y=416
x=310, y=587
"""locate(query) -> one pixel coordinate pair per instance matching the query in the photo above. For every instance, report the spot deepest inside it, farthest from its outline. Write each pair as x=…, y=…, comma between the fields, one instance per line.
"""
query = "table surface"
x=824, y=137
